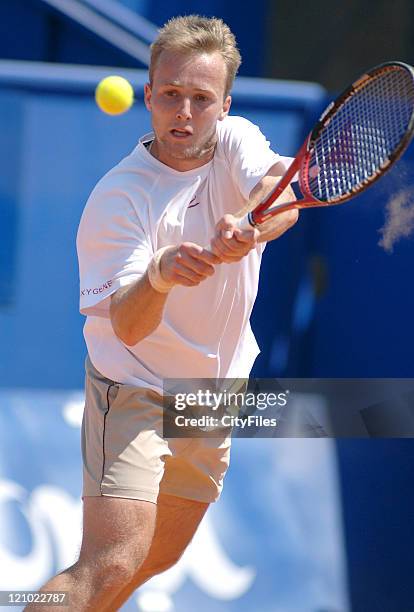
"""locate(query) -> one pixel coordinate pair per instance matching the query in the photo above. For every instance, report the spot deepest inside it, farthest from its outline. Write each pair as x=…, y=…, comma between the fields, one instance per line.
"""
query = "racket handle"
x=245, y=222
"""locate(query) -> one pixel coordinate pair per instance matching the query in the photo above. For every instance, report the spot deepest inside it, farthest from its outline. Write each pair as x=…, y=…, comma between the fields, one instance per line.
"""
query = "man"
x=159, y=305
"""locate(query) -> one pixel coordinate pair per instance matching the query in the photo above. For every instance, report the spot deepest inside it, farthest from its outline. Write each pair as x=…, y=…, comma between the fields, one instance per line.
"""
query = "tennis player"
x=159, y=305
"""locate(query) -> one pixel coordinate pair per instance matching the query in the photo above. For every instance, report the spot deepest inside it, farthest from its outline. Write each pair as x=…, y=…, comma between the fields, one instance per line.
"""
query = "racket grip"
x=245, y=222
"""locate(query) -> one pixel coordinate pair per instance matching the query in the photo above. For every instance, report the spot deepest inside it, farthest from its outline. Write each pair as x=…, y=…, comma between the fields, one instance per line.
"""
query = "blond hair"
x=193, y=33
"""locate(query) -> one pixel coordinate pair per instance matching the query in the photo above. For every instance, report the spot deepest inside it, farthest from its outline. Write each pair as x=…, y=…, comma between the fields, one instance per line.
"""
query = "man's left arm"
x=232, y=244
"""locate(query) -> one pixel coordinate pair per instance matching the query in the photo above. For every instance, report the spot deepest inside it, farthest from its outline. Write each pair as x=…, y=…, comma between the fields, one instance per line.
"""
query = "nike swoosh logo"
x=192, y=205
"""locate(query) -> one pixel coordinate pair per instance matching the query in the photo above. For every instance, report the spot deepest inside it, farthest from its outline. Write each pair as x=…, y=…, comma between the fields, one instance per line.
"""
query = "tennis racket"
x=355, y=141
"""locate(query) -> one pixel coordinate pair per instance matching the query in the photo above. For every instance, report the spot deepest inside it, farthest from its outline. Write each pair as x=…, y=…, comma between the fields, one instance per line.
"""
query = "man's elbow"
x=292, y=216
x=126, y=338
x=131, y=335
x=123, y=334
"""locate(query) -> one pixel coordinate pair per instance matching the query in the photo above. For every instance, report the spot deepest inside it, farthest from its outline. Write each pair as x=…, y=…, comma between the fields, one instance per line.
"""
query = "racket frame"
x=300, y=164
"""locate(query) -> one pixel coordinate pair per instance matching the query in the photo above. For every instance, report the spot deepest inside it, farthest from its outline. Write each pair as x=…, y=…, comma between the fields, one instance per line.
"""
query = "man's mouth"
x=181, y=132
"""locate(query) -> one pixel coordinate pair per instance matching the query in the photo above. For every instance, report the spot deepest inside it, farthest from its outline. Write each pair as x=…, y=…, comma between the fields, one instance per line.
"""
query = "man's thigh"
x=117, y=528
x=176, y=523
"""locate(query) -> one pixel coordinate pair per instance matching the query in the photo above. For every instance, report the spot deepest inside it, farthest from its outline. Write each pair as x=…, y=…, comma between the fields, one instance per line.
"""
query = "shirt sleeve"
x=249, y=153
x=113, y=249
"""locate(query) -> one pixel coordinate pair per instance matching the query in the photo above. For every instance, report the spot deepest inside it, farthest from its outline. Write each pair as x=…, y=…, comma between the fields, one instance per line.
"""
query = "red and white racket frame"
x=300, y=164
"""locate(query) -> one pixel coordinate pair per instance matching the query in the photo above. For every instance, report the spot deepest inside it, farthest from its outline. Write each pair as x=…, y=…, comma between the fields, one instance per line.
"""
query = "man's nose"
x=184, y=111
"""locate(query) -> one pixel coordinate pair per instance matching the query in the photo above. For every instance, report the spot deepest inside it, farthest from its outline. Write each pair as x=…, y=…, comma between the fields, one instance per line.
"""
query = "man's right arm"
x=136, y=310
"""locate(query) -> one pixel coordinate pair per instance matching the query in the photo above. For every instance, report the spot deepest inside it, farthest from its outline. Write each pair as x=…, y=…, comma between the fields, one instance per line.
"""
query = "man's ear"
x=226, y=108
x=147, y=96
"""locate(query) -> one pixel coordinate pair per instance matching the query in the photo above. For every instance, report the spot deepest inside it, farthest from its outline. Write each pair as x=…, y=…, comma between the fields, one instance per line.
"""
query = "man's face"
x=186, y=98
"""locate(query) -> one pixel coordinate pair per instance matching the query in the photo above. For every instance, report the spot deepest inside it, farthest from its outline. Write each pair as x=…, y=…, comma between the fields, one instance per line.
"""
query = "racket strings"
x=361, y=137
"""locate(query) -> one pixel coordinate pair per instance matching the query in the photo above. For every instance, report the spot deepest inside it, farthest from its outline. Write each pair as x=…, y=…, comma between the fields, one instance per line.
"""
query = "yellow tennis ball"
x=114, y=95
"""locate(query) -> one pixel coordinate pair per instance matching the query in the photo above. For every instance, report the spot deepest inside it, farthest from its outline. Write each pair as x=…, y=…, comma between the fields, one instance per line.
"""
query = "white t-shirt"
x=142, y=205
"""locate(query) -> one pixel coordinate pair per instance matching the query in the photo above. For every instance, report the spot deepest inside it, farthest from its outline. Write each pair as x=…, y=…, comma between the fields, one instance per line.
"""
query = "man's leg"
x=117, y=535
x=176, y=523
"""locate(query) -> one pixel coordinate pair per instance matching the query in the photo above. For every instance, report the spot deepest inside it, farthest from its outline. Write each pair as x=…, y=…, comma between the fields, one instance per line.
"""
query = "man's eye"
x=201, y=98
x=171, y=93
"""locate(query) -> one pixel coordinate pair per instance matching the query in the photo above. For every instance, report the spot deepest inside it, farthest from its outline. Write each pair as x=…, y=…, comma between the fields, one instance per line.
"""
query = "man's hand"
x=231, y=244
x=137, y=309
x=187, y=264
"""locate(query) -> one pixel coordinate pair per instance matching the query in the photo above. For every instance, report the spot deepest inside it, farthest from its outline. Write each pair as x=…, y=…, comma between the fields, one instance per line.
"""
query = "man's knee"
x=154, y=566
x=110, y=570
x=115, y=574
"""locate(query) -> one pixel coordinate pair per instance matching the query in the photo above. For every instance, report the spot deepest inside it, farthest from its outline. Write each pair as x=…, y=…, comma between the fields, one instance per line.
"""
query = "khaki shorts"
x=125, y=455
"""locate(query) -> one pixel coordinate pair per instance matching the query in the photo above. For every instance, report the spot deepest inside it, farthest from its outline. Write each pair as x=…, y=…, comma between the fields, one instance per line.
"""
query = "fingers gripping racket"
x=355, y=141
